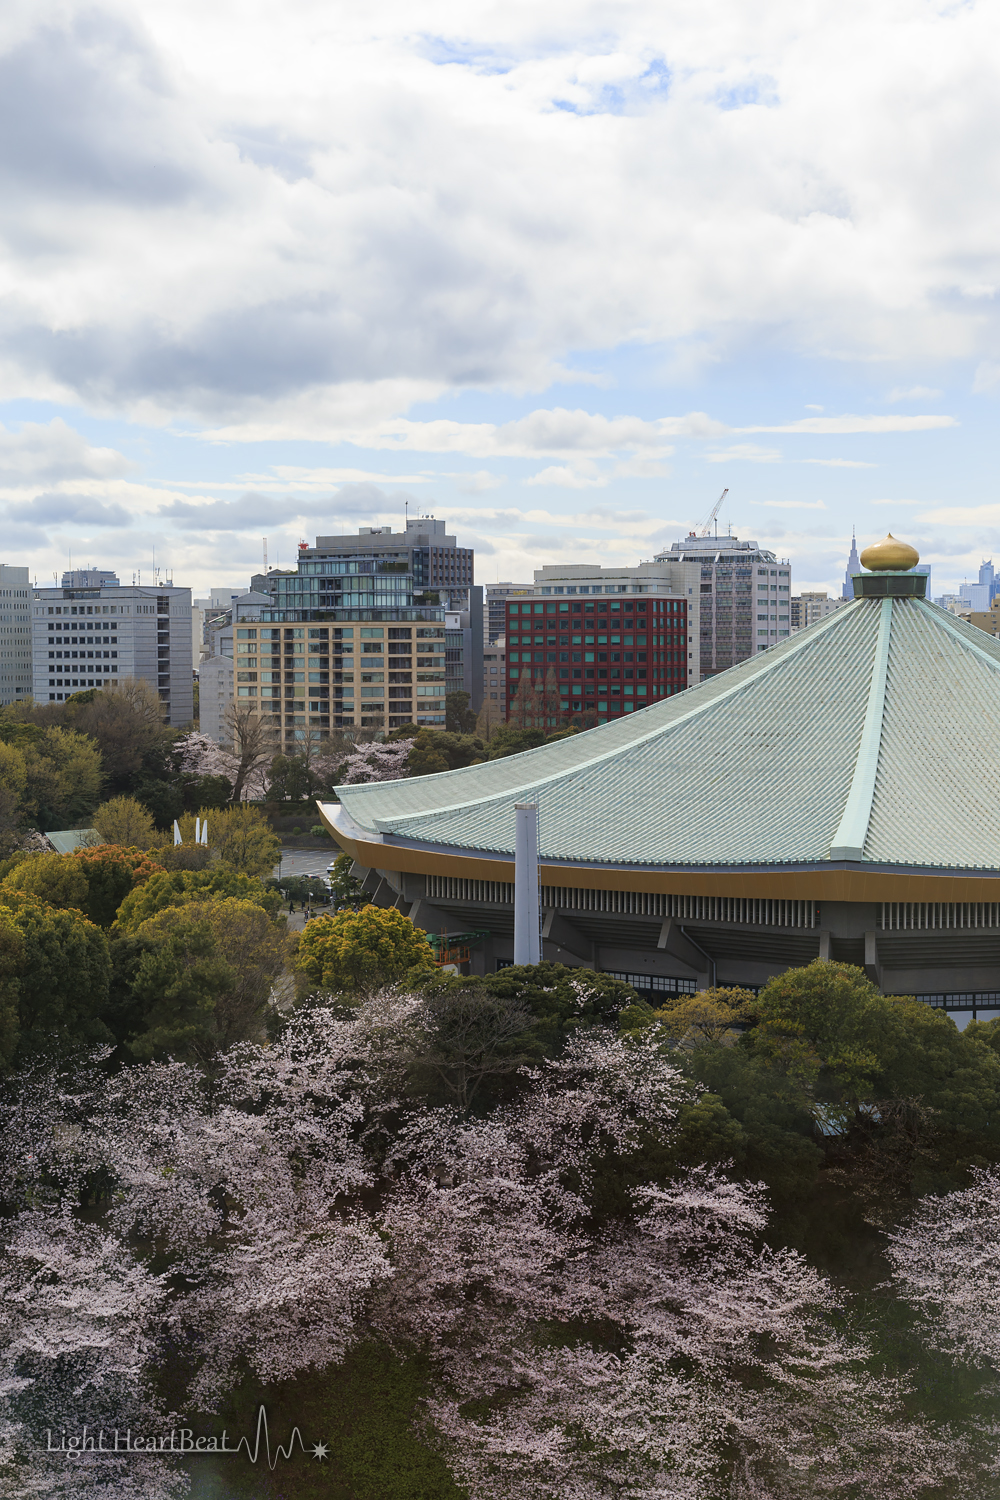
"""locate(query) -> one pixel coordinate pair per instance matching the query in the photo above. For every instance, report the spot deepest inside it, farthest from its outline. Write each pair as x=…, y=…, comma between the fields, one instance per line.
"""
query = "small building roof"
x=69, y=839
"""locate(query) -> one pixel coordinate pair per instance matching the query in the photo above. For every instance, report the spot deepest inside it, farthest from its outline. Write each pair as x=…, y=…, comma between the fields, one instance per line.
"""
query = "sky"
x=558, y=273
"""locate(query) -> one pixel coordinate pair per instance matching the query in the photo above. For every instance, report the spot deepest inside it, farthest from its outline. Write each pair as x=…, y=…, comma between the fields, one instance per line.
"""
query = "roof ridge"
x=948, y=622
x=849, y=840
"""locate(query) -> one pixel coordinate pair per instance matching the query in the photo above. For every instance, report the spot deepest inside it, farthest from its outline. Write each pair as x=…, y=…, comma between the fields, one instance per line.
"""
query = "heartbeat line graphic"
x=280, y=1452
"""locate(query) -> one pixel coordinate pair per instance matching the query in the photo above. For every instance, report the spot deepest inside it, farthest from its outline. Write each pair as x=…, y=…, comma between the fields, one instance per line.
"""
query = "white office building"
x=745, y=594
x=15, y=634
x=94, y=630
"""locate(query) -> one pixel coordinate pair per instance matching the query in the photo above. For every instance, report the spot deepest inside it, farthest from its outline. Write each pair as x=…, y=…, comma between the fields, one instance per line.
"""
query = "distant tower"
x=853, y=566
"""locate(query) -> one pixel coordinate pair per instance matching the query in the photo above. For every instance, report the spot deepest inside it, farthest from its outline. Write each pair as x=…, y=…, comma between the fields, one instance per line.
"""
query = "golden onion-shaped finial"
x=890, y=556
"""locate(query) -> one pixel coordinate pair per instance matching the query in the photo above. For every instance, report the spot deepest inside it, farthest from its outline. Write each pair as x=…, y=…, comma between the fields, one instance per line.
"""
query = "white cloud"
x=961, y=515
x=913, y=393
x=230, y=214
x=987, y=377
x=811, y=407
x=851, y=424
x=474, y=483
x=746, y=452
x=52, y=453
x=792, y=504
x=839, y=463
x=583, y=475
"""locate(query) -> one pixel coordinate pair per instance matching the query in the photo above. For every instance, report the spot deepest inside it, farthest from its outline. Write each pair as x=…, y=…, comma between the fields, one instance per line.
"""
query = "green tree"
x=111, y=874
x=355, y=951
x=163, y=799
x=63, y=778
x=509, y=739
x=291, y=779
x=64, y=977
x=713, y=1015
x=56, y=878
x=125, y=719
x=467, y=1038
x=171, y=888
x=13, y=772
x=426, y=758
x=561, y=999
x=244, y=839
x=177, y=982
x=12, y=952
x=126, y=822
x=459, y=718
x=205, y=977
x=202, y=792
x=345, y=889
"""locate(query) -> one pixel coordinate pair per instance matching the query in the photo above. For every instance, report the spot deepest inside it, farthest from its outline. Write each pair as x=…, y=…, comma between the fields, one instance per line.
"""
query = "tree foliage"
x=125, y=719
x=205, y=977
x=56, y=878
x=244, y=839
x=63, y=779
x=459, y=717
x=125, y=821
x=297, y=1205
x=346, y=890
x=351, y=952
x=169, y=888
x=63, y=976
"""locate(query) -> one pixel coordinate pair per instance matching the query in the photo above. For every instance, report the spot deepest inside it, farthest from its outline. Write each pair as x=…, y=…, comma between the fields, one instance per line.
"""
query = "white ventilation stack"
x=527, y=927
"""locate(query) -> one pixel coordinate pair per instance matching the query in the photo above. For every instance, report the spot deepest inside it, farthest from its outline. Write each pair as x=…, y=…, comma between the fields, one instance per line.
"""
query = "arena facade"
x=838, y=797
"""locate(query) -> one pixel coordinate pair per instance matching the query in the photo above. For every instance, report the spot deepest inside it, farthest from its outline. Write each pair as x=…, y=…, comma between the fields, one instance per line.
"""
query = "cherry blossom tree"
x=946, y=1262
x=78, y=1331
x=300, y=1199
x=198, y=755
x=650, y=1356
x=376, y=761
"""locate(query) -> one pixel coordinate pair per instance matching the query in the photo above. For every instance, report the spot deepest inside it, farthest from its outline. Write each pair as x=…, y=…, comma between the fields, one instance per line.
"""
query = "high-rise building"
x=808, y=608
x=976, y=596
x=217, y=682
x=853, y=566
x=463, y=628
x=355, y=638
x=495, y=678
x=607, y=656
x=115, y=630
x=15, y=634
x=495, y=614
x=744, y=593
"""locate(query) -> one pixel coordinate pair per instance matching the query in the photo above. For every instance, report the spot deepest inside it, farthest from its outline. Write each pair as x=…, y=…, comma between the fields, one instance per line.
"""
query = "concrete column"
x=527, y=935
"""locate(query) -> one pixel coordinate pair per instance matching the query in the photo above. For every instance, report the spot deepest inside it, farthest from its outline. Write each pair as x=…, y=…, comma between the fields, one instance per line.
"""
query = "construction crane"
x=706, y=530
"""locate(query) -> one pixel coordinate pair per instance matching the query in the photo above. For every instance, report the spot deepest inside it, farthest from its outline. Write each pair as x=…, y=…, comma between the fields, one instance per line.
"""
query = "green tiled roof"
x=872, y=735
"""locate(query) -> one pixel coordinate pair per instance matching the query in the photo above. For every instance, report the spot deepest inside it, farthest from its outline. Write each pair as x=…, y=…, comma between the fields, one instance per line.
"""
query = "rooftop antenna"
x=264, y=539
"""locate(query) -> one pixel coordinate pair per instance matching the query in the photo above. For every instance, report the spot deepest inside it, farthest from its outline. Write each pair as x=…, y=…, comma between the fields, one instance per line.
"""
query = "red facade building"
x=607, y=656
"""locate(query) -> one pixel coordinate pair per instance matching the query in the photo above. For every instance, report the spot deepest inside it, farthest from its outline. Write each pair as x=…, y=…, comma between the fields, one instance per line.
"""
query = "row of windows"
x=662, y=606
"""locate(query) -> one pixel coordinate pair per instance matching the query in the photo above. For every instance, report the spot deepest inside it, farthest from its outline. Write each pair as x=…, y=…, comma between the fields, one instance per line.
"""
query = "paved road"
x=304, y=862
